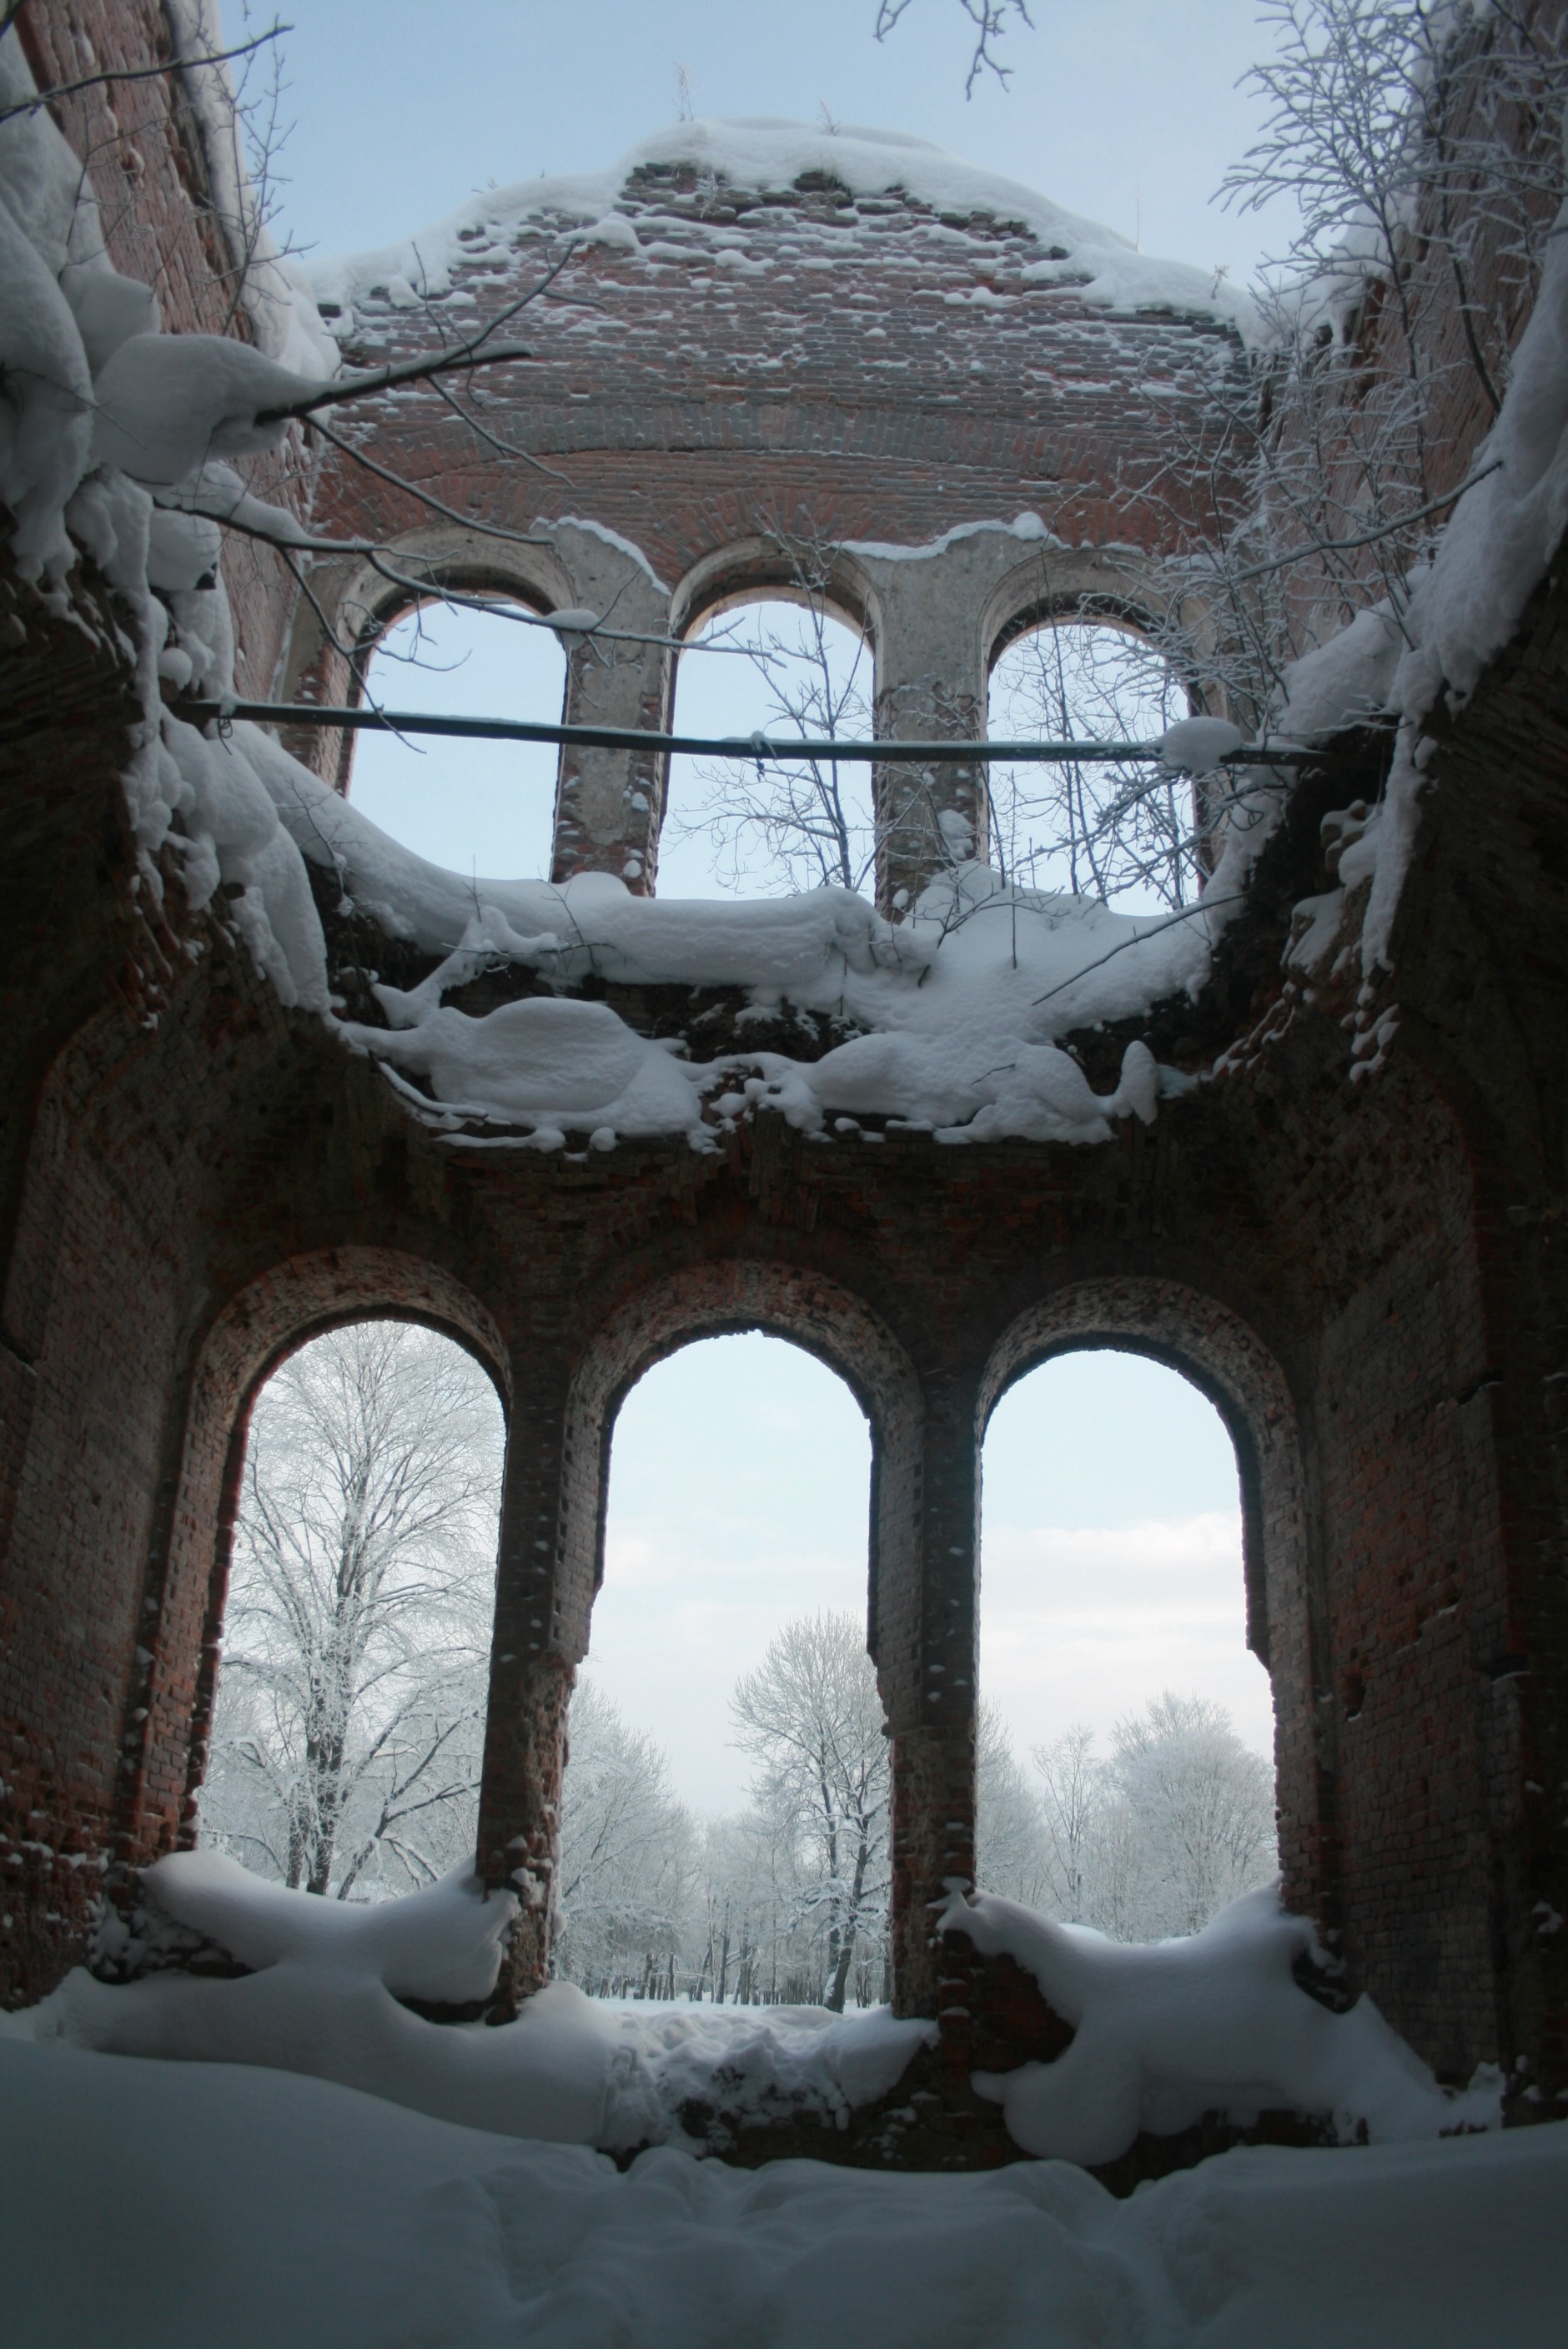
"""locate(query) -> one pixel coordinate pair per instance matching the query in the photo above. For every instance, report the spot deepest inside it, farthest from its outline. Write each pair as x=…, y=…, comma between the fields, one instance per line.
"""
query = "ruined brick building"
x=1366, y=1276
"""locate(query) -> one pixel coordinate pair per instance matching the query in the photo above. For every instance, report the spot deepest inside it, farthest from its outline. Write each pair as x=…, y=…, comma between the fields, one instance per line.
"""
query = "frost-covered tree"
x=811, y=1717
x=1011, y=1851
x=1200, y=1809
x=1072, y=1812
x=1157, y=1839
x=629, y=1859
x=350, y=1702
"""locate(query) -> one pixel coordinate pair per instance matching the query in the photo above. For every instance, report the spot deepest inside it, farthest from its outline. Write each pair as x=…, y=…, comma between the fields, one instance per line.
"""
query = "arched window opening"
x=1127, y=834
x=1125, y=1731
x=350, y=1703
x=793, y=668
x=473, y=807
x=725, y=1812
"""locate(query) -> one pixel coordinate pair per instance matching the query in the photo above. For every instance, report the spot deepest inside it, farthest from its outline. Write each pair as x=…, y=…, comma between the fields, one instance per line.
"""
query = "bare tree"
x=627, y=1857
x=350, y=1702
x=1012, y=1854
x=1096, y=829
x=989, y=18
x=811, y=1716
x=805, y=825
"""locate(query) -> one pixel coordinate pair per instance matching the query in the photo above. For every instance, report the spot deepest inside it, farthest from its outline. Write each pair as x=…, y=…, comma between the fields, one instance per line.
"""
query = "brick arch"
x=359, y=603
x=756, y=570
x=717, y=1299
x=1222, y=1355
x=169, y=1702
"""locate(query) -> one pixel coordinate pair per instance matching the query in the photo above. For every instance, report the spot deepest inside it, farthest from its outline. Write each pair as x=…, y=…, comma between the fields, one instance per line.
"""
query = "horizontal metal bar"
x=746, y=747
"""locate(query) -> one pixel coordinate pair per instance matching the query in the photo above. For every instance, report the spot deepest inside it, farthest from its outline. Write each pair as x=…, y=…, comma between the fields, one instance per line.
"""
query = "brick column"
x=927, y=1617
x=609, y=805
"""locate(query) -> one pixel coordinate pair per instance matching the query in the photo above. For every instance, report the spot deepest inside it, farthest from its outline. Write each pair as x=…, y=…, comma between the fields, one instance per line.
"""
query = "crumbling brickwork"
x=1366, y=1276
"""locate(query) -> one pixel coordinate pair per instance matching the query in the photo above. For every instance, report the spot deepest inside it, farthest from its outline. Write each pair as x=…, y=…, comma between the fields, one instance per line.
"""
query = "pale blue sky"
x=1124, y=110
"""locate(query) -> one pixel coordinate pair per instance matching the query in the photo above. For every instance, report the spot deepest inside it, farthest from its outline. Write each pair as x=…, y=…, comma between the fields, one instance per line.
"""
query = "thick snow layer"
x=1496, y=549
x=1166, y=2032
x=323, y=1999
x=967, y=996
x=159, y=2205
x=164, y=404
x=160, y=2142
x=98, y=406
x=1162, y=2033
x=963, y=999
x=768, y=154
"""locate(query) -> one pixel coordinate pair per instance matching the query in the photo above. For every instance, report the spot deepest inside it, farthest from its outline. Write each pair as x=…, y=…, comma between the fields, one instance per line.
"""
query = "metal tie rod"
x=747, y=747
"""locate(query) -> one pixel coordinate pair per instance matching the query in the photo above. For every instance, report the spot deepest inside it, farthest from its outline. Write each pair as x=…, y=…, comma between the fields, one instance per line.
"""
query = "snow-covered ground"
x=153, y=2205
x=168, y=2174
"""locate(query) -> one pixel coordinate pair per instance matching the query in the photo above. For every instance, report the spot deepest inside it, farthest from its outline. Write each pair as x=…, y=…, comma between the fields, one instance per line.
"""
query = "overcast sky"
x=1123, y=109
x=738, y=1495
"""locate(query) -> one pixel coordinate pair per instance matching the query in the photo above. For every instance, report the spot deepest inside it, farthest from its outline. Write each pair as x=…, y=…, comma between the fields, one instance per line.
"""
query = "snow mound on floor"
x=1166, y=2032
x=323, y=1999
x=159, y=2205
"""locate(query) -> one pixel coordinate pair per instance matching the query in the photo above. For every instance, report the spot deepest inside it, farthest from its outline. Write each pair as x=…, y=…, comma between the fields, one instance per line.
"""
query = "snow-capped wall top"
x=767, y=153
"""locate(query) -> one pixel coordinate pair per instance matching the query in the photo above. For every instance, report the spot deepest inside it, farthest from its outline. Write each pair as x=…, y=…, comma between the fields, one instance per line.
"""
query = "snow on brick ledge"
x=769, y=154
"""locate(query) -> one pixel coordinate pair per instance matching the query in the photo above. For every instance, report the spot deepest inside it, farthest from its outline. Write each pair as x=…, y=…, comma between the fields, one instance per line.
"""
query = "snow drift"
x=1162, y=2033
x=1214, y=2022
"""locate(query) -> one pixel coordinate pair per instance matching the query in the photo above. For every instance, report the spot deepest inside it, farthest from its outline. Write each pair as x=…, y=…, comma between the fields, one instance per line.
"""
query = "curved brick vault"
x=1368, y=1277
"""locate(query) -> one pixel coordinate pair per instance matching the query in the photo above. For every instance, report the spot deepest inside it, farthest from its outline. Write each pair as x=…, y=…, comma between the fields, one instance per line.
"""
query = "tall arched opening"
x=724, y=1808
x=348, y=1706
x=472, y=807
x=1093, y=672
x=1220, y=1356
x=786, y=658
x=1125, y=1732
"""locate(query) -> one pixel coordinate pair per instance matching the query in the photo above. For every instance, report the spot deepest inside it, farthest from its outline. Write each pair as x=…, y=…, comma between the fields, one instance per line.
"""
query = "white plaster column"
x=609, y=804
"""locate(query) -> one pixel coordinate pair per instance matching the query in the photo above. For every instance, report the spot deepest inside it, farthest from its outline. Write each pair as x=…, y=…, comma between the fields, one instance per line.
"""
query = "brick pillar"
x=931, y=687
x=610, y=804
x=927, y=1615
x=550, y=1530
